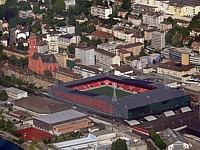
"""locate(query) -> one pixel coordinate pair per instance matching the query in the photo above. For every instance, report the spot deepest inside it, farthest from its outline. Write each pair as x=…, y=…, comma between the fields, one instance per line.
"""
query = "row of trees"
x=157, y=139
x=3, y=95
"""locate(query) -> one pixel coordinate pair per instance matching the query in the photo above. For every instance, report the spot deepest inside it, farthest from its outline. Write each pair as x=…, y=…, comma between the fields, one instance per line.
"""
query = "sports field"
x=106, y=90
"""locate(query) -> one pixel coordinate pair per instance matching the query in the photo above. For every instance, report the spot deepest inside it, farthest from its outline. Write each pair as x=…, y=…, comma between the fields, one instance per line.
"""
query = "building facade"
x=101, y=11
x=158, y=40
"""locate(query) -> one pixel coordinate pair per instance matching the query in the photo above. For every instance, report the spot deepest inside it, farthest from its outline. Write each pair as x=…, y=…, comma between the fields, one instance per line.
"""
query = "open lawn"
x=106, y=90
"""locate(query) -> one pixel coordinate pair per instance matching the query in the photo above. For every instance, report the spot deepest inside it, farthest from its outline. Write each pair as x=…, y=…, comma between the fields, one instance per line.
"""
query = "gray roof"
x=102, y=132
x=14, y=90
x=61, y=116
x=41, y=105
x=50, y=58
x=170, y=136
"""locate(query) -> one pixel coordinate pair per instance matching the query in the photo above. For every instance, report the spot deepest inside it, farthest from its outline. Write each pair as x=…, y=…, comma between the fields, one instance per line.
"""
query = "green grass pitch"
x=106, y=90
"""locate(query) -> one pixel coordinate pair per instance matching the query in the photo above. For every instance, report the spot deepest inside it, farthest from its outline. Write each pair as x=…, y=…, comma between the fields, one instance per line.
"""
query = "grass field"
x=106, y=90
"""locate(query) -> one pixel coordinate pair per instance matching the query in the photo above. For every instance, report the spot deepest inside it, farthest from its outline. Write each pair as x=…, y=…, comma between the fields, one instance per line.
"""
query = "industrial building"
x=62, y=122
x=16, y=93
x=131, y=99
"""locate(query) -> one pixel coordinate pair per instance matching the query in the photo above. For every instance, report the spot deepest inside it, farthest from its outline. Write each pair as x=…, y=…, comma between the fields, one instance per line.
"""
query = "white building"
x=86, y=55
x=174, y=140
x=69, y=3
x=16, y=93
x=106, y=59
x=101, y=11
x=152, y=18
x=158, y=40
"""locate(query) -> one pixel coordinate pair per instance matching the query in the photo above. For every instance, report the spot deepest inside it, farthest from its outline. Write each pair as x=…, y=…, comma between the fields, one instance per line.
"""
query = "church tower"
x=32, y=48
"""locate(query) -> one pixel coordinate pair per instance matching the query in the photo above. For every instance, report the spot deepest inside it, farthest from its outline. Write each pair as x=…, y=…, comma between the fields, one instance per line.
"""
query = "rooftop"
x=40, y=105
x=14, y=90
x=61, y=116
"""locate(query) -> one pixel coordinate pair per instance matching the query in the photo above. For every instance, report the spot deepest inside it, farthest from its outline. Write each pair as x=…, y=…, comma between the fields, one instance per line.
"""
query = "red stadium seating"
x=81, y=87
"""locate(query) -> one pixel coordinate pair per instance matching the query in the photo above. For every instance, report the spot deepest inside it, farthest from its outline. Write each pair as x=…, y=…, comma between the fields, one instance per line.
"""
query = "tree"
x=91, y=28
x=161, y=144
x=126, y=4
x=3, y=95
x=60, y=5
x=119, y=144
x=71, y=49
x=184, y=32
x=142, y=52
x=48, y=73
x=34, y=30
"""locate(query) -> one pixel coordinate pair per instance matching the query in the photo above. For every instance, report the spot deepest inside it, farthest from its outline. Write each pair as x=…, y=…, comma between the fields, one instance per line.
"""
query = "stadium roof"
x=159, y=94
x=61, y=116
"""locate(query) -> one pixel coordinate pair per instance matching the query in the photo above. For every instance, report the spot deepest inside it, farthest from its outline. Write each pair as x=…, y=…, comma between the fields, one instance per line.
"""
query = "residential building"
x=110, y=47
x=62, y=59
x=42, y=47
x=70, y=29
x=85, y=55
x=174, y=140
x=196, y=46
x=158, y=40
x=135, y=20
x=86, y=71
x=104, y=36
x=122, y=34
x=123, y=70
x=69, y=3
x=148, y=34
x=165, y=26
x=2, y=2
x=175, y=69
x=106, y=59
x=122, y=13
x=62, y=122
x=65, y=40
x=39, y=62
x=23, y=14
x=134, y=48
x=137, y=38
x=123, y=54
x=152, y=18
x=105, y=28
x=101, y=11
x=66, y=75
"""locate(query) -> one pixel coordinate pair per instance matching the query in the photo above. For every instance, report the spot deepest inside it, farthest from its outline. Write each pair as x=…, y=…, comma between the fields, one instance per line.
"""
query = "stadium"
x=118, y=96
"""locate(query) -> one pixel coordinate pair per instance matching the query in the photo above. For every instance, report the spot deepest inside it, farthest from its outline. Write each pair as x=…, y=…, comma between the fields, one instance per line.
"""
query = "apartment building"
x=152, y=18
x=158, y=40
x=85, y=55
x=110, y=47
x=134, y=48
x=101, y=11
x=62, y=59
x=122, y=34
x=106, y=59
x=66, y=75
x=165, y=26
x=65, y=40
x=135, y=20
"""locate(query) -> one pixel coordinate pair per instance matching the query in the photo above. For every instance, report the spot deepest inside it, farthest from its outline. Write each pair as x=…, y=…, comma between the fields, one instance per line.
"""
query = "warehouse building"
x=62, y=122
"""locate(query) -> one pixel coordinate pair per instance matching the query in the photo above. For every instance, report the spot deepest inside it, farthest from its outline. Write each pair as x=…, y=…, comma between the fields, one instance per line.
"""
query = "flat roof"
x=14, y=90
x=41, y=105
x=102, y=132
x=61, y=116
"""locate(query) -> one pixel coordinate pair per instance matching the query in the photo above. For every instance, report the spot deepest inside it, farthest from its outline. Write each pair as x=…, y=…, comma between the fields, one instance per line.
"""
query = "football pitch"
x=106, y=90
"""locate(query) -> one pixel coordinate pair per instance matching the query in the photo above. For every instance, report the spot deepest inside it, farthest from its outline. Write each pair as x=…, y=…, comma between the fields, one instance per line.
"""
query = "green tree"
x=2, y=125
x=71, y=49
x=184, y=32
x=48, y=73
x=60, y=5
x=142, y=52
x=161, y=144
x=119, y=144
x=3, y=95
x=126, y=4
x=91, y=28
